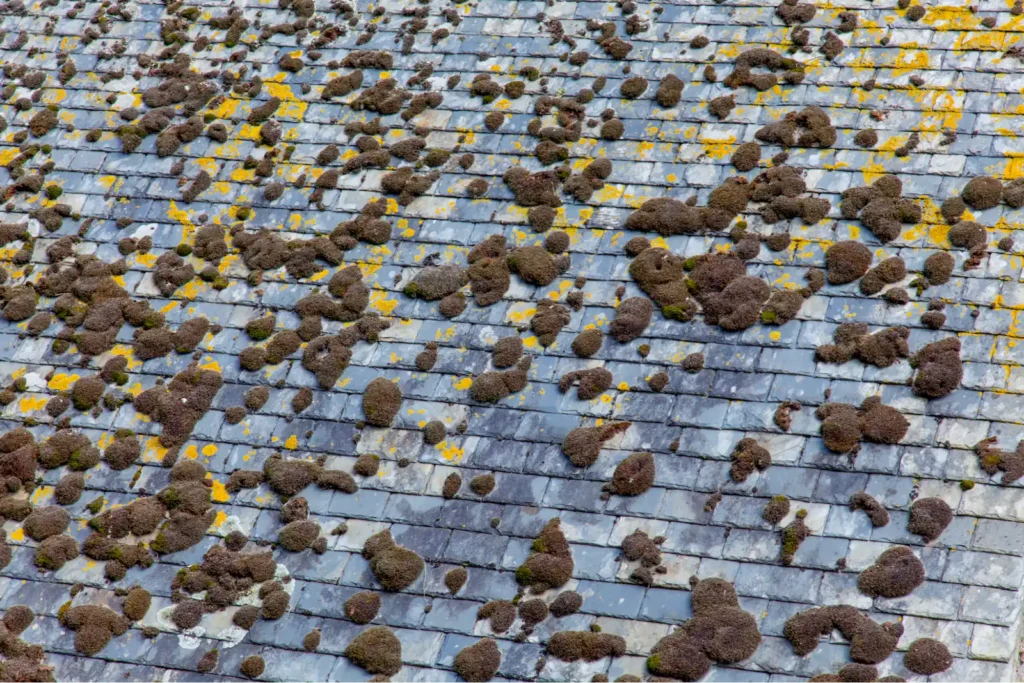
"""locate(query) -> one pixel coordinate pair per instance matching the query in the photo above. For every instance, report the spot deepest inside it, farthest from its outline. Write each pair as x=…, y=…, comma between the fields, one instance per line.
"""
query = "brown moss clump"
x=720, y=107
x=252, y=666
x=994, y=460
x=482, y=484
x=939, y=369
x=747, y=457
x=866, y=138
x=180, y=404
x=659, y=273
x=426, y=358
x=377, y=650
x=298, y=535
x=670, y=91
x=478, y=662
x=844, y=425
x=455, y=579
x=187, y=614
x=896, y=573
x=550, y=563
x=568, y=602
x=47, y=521
x=747, y=156
x=968, y=235
x=983, y=192
x=880, y=207
x=259, y=329
x=548, y=321
x=311, y=641
x=592, y=382
x=506, y=352
x=55, y=551
x=434, y=432
x=927, y=656
x=791, y=12
x=633, y=476
x=573, y=646
x=69, y=489
x=381, y=401
x=246, y=616
x=362, y=607
x=500, y=613
x=489, y=275
x=587, y=343
x=208, y=662
x=762, y=58
x=847, y=261
x=136, y=603
x=534, y=264
x=876, y=512
x=491, y=387
x=18, y=618
x=809, y=127
x=889, y=271
x=633, y=87
x=94, y=626
x=870, y=642
x=452, y=484
x=583, y=444
x=631, y=319
x=719, y=631
x=436, y=282
x=852, y=341
x=367, y=465
x=776, y=509
x=87, y=392
x=929, y=517
x=395, y=566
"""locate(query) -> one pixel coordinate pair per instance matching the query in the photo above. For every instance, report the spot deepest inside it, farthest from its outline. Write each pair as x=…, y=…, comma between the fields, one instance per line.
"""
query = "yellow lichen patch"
x=182, y=217
x=292, y=442
x=153, y=452
x=30, y=404
x=379, y=301
x=227, y=108
x=41, y=494
x=18, y=535
x=61, y=381
x=910, y=61
x=218, y=493
x=449, y=451
x=462, y=383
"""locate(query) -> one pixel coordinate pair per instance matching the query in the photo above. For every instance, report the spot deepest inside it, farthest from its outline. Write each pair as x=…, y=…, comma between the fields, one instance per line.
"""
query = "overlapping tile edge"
x=971, y=598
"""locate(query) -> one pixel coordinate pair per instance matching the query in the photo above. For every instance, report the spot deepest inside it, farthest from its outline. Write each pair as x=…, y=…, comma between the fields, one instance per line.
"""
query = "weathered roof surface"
x=969, y=84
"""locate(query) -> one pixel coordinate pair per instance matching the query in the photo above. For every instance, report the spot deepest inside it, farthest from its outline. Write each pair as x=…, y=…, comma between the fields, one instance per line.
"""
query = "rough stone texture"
x=111, y=183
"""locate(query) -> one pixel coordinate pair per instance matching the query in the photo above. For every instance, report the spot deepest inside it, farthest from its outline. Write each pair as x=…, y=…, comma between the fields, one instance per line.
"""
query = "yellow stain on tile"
x=61, y=381
x=18, y=534
x=449, y=451
x=30, y=404
x=218, y=493
x=220, y=518
x=292, y=442
x=462, y=384
x=41, y=494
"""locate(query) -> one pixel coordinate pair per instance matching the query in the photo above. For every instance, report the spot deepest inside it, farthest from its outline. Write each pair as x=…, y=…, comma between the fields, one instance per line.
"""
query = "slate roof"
x=971, y=598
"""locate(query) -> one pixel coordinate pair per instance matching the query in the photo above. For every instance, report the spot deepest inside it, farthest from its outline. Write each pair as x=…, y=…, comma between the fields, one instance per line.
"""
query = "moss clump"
x=500, y=613
x=809, y=127
x=381, y=401
x=436, y=282
x=18, y=618
x=631, y=319
x=568, y=602
x=362, y=607
x=252, y=666
x=718, y=632
x=847, y=261
x=94, y=626
x=866, y=138
x=843, y=426
x=482, y=484
x=852, y=341
x=367, y=465
x=208, y=662
x=452, y=484
x=136, y=603
x=670, y=91
x=939, y=368
x=870, y=643
x=478, y=662
x=776, y=509
x=377, y=650
x=395, y=567
x=894, y=574
x=927, y=656
x=45, y=522
x=550, y=564
x=929, y=517
x=455, y=579
x=983, y=192
x=583, y=445
x=572, y=646
x=747, y=457
x=633, y=476
x=298, y=535
x=876, y=512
